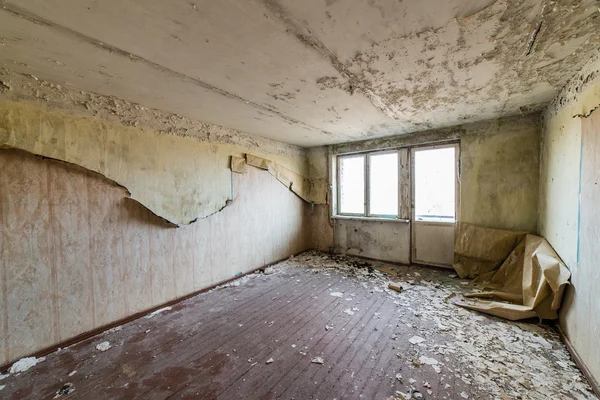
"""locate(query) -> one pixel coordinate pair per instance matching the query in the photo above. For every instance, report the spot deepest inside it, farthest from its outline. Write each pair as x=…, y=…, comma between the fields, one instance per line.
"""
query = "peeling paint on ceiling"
x=313, y=72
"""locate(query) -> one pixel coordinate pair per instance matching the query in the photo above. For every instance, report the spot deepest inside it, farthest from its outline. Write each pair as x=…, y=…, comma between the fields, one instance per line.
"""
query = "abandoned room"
x=319, y=199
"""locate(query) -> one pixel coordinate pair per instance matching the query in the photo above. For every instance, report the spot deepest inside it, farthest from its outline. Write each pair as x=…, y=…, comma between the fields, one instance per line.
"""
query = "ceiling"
x=308, y=72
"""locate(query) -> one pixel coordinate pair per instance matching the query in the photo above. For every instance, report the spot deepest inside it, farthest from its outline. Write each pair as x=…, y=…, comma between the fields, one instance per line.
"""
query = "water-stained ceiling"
x=308, y=72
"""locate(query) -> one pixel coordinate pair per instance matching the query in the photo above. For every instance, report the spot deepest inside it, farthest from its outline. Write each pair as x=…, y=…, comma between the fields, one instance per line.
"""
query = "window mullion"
x=367, y=188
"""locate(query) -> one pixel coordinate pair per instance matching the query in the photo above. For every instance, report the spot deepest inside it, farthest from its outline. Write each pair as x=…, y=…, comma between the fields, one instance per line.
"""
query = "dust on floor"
x=314, y=326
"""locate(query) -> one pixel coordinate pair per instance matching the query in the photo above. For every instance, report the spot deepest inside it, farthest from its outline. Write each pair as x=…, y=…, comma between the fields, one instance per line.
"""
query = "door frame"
x=413, y=220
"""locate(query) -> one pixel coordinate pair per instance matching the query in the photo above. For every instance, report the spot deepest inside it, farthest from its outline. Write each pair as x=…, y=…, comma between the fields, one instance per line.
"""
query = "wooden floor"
x=218, y=345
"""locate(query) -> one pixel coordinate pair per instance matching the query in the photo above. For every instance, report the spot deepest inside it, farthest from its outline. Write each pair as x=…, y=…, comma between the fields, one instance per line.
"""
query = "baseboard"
x=584, y=369
x=86, y=335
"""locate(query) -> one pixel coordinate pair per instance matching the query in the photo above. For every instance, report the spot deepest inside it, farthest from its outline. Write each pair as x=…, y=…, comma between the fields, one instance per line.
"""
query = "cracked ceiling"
x=308, y=72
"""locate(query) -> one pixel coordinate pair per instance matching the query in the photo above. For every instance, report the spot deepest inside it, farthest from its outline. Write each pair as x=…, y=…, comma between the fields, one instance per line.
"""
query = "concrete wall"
x=77, y=253
x=569, y=204
x=499, y=183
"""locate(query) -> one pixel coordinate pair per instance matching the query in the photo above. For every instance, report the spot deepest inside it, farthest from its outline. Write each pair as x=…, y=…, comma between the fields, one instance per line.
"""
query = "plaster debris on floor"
x=503, y=358
x=103, y=346
x=413, y=344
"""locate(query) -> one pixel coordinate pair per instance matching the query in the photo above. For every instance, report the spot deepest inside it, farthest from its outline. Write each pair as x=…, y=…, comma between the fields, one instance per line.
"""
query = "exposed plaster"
x=317, y=72
x=433, y=136
x=29, y=16
x=177, y=168
x=113, y=110
x=351, y=82
x=582, y=91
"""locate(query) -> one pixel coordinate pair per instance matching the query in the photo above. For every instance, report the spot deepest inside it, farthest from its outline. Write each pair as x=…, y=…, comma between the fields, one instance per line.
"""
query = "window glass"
x=383, y=184
x=352, y=185
x=435, y=184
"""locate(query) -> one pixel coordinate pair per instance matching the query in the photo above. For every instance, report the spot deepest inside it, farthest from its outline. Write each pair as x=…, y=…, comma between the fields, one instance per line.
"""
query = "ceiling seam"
x=305, y=36
x=36, y=19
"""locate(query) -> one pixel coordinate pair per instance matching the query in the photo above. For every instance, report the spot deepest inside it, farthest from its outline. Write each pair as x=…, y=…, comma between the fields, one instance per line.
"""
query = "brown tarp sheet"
x=529, y=283
x=479, y=250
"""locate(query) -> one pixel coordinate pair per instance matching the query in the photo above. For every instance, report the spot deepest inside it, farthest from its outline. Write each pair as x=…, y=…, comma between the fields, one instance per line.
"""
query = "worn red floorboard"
x=215, y=346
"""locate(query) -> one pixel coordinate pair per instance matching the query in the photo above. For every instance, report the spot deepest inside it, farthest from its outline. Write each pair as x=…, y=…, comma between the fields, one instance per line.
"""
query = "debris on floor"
x=380, y=343
x=503, y=358
x=65, y=390
x=25, y=364
x=317, y=360
x=416, y=340
x=103, y=346
x=160, y=310
x=394, y=286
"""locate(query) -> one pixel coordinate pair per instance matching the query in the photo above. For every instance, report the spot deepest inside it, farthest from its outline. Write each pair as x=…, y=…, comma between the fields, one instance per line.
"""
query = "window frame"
x=457, y=177
x=367, y=203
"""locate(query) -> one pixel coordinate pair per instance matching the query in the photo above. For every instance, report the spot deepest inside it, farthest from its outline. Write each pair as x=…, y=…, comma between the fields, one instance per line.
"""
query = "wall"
x=582, y=318
x=500, y=174
x=568, y=205
x=77, y=253
x=321, y=226
x=175, y=167
x=499, y=182
x=380, y=240
x=86, y=242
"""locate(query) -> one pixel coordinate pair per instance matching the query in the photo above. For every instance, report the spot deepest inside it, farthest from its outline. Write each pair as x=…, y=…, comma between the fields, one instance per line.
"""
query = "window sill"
x=434, y=221
x=371, y=219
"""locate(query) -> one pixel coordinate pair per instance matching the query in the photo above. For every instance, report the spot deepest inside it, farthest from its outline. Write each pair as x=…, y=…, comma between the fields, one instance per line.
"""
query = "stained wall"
x=569, y=203
x=77, y=253
x=499, y=183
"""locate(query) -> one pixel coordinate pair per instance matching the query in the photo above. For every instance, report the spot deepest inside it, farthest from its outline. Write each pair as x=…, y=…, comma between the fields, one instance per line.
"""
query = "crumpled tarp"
x=529, y=283
x=479, y=250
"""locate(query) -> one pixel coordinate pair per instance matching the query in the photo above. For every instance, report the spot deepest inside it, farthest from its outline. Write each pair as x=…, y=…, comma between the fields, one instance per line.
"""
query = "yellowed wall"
x=499, y=179
x=321, y=226
x=77, y=253
x=500, y=171
x=562, y=169
x=178, y=178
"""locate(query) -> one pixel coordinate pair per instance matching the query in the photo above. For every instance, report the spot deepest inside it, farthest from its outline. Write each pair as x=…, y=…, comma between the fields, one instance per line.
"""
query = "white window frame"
x=367, y=206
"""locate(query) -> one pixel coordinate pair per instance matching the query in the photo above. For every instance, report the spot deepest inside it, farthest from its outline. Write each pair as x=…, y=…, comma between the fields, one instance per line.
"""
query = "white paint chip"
x=152, y=314
x=336, y=294
x=103, y=346
x=428, y=360
x=269, y=361
x=416, y=340
x=24, y=364
x=73, y=373
x=317, y=360
x=349, y=312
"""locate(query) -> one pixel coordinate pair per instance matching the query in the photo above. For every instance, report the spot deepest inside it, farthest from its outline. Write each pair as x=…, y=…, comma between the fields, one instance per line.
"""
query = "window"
x=378, y=174
x=352, y=185
x=435, y=188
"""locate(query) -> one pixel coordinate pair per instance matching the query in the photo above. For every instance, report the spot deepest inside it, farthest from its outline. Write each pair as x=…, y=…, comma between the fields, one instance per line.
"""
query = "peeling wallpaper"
x=179, y=169
x=76, y=253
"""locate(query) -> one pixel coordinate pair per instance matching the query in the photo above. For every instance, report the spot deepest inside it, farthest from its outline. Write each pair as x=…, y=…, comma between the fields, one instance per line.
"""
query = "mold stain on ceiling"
x=312, y=72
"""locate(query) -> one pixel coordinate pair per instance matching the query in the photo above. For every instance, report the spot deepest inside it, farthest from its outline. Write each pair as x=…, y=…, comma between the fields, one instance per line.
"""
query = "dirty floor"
x=313, y=327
